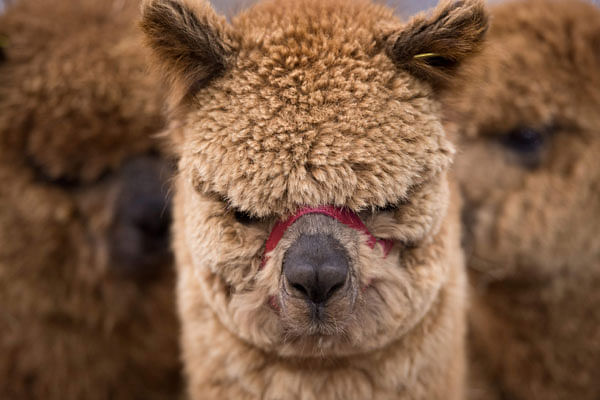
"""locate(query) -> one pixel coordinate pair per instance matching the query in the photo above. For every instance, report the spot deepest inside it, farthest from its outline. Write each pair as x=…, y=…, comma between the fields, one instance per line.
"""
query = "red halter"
x=343, y=215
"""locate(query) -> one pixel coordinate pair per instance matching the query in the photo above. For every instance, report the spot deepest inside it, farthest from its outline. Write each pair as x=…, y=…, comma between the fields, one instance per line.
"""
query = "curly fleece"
x=310, y=103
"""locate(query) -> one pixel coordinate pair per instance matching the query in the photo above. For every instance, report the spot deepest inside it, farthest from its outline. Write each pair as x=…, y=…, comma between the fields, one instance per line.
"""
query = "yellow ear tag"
x=426, y=55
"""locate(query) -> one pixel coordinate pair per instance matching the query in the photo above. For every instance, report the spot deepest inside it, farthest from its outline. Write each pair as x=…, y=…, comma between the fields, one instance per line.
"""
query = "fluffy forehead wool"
x=313, y=112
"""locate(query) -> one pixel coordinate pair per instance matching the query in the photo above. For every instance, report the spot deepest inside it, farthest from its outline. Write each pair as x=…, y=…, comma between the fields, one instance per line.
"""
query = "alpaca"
x=315, y=230
x=526, y=117
x=87, y=305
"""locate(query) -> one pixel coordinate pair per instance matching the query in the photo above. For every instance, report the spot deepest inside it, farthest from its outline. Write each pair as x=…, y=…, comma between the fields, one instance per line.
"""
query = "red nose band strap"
x=343, y=215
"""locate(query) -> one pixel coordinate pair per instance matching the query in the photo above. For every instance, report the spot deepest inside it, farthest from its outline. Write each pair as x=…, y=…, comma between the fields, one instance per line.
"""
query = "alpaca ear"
x=190, y=41
x=431, y=48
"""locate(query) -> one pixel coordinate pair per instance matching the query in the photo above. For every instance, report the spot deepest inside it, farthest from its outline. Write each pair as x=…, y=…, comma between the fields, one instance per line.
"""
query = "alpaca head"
x=312, y=175
x=526, y=116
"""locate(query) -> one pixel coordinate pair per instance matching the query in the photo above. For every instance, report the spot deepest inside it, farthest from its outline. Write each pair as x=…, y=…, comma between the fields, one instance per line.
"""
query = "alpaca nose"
x=316, y=266
x=140, y=231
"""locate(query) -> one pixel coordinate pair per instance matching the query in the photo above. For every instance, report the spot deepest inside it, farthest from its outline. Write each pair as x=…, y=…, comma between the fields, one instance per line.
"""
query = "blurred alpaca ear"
x=190, y=41
x=432, y=47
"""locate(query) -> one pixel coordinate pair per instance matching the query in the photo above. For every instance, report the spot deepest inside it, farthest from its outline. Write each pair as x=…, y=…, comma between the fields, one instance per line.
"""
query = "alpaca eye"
x=387, y=208
x=245, y=218
x=524, y=141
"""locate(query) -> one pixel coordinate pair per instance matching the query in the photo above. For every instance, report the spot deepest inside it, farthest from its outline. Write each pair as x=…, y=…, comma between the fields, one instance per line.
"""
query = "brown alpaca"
x=86, y=292
x=527, y=116
x=310, y=146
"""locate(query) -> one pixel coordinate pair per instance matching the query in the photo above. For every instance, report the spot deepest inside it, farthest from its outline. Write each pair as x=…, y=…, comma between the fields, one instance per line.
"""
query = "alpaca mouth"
x=319, y=322
x=303, y=317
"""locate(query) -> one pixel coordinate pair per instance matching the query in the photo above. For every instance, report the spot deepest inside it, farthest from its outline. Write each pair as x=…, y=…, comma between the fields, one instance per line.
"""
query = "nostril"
x=300, y=276
x=332, y=277
x=334, y=289
x=300, y=288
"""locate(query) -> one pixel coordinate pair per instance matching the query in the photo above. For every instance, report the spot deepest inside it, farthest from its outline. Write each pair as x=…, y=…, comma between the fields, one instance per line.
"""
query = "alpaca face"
x=285, y=109
x=374, y=299
x=528, y=163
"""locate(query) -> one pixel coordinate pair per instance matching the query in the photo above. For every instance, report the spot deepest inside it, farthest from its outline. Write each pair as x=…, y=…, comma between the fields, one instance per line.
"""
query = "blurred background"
x=408, y=6
x=405, y=7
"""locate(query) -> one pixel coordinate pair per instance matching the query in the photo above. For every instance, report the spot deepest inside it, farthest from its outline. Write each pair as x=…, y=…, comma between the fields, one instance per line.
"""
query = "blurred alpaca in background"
x=86, y=294
x=527, y=120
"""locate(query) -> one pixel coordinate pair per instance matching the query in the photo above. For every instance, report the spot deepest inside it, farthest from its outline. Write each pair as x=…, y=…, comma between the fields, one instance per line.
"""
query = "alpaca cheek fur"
x=223, y=276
